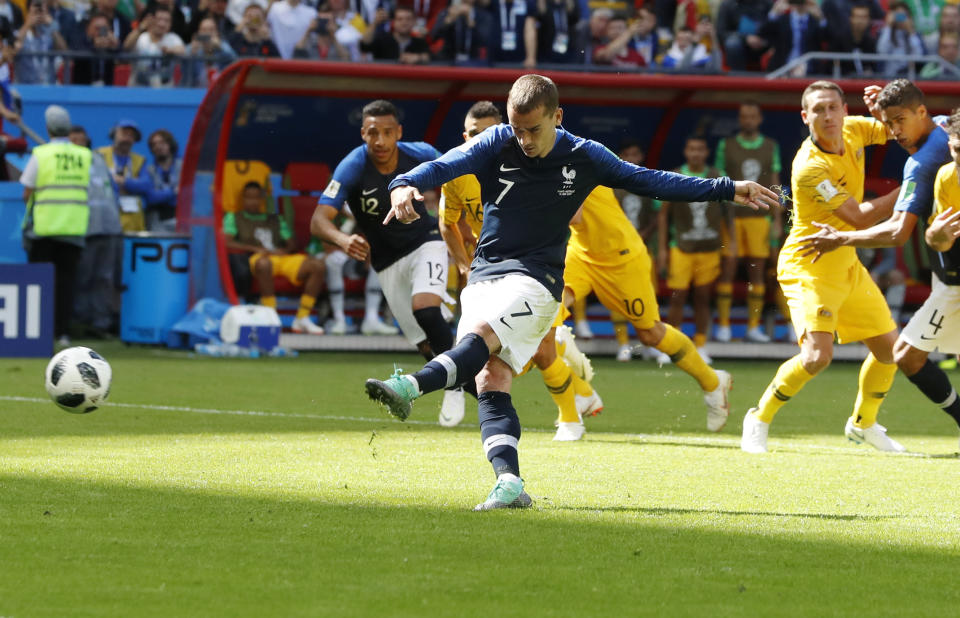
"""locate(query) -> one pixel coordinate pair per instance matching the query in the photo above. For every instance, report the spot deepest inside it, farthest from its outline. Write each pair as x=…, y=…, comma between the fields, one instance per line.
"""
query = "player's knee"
x=816, y=360
x=908, y=358
x=546, y=353
x=650, y=336
x=263, y=266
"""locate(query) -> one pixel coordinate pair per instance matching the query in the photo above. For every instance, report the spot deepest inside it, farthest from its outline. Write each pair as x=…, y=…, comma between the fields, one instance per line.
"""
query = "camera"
x=103, y=31
x=900, y=17
x=203, y=38
x=322, y=25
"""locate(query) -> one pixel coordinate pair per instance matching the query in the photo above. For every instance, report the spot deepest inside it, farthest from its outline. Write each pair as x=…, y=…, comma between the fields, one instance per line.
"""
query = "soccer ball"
x=78, y=380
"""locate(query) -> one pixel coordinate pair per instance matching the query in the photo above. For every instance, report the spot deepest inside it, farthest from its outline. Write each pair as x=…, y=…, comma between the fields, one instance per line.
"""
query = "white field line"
x=615, y=437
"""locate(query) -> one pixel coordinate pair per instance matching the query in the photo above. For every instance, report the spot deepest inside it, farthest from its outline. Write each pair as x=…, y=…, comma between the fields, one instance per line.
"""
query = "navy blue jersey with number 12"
x=357, y=182
x=528, y=202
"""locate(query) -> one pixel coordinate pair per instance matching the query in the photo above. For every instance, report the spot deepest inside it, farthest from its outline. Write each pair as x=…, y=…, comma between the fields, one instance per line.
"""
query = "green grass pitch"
x=272, y=487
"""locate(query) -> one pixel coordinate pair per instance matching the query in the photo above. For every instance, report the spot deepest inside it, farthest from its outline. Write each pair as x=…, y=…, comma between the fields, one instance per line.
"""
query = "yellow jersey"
x=946, y=191
x=821, y=183
x=461, y=197
x=604, y=236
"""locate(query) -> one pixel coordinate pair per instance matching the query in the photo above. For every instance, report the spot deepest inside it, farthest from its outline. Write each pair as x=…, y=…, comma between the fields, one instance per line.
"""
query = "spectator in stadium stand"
x=507, y=19
x=948, y=48
x=425, y=14
x=465, y=32
x=66, y=22
x=949, y=22
x=207, y=55
x=158, y=186
x=8, y=143
x=252, y=36
x=12, y=13
x=590, y=33
x=289, y=21
x=854, y=35
x=237, y=8
x=215, y=10
x=375, y=13
x=642, y=39
x=622, y=46
x=926, y=17
x=37, y=35
x=795, y=27
x=548, y=32
x=99, y=40
x=692, y=255
x=57, y=234
x=178, y=24
x=95, y=291
x=398, y=44
x=154, y=39
x=334, y=34
x=898, y=38
x=118, y=23
x=689, y=53
x=739, y=26
x=126, y=165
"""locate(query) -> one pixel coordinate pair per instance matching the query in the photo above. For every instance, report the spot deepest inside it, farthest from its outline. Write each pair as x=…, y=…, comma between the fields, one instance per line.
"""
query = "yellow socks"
x=724, y=302
x=755, y=296
x=559, y=379
x=699, y=339
x=269, y=301
x=620, y=330
x=790, y=378
x=306, y=306
x=580, y=386
x=684, y=355
x=876, y=378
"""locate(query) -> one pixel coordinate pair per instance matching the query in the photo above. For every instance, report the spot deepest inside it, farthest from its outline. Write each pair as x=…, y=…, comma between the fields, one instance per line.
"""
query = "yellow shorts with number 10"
x=624, y=288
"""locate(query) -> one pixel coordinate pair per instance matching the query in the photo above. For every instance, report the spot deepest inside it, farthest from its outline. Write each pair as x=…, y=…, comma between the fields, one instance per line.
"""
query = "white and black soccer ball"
x=78, y=380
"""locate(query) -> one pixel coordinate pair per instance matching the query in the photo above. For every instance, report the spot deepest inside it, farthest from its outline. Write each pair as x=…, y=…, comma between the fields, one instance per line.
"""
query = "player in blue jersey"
x=410, y=260
x=533, y=176
x=899, y=105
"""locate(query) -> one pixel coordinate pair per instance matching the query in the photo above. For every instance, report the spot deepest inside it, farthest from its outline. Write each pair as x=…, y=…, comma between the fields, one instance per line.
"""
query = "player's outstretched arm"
x=401, y=205
x=943, y=230
x=755, y=196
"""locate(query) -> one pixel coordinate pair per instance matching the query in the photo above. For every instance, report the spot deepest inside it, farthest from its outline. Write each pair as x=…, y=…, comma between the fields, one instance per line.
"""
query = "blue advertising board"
x=26, y=310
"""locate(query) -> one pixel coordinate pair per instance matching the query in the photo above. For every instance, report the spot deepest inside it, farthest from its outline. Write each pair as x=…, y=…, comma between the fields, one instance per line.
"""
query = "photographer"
x=99, y=40
x=39, y=34
x=252, y=36
x=289, y=21
x=795, y=27
x=207, y=55
x=332, y=35
x=153, y=38
x=898, y=38
x=399, y=43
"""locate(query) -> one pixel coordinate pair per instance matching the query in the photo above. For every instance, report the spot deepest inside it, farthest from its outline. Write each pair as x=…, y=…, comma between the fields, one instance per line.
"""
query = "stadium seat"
x=121, y=74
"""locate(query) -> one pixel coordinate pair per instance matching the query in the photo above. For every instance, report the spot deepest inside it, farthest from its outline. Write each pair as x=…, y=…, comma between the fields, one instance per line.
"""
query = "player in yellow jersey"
x=606, y=255
x=567, y=380
x=834, y=294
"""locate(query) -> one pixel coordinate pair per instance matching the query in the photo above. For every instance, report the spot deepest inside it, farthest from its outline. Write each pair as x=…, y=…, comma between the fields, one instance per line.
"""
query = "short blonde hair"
x=819, y=85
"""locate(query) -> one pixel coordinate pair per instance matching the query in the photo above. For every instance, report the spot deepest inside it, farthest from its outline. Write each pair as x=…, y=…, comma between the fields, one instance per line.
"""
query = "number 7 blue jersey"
x=528, y=202
x=357, y=182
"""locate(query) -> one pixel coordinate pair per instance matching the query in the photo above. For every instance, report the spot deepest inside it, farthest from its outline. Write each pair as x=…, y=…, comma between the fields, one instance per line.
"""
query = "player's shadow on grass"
x=679, y=511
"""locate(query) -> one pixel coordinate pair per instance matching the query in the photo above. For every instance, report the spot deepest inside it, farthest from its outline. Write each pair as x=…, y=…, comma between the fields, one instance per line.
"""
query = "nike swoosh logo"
x=368, y=191
x=925, y=338
x=505, y=323
x=508, y=169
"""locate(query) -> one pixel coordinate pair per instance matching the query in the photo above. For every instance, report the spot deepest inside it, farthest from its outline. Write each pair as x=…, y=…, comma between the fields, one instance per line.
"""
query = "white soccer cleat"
x=590, y=405
x=569, y=432
x=706, y=357
x=723, y=334
x=453, y=408
x=663, y=358
x=625, y=353
x=754, y=439
x=305, y=326
x=875, y=435
x=582, y=329
x=718, y=402
x=378, y=327
x=572, y=356
x=757, y=336
x=339, y=327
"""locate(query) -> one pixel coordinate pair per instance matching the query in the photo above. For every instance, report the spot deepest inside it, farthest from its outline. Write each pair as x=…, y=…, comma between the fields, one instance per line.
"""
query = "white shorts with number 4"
x=424, y=270
x=936, y=324
x=518, y=309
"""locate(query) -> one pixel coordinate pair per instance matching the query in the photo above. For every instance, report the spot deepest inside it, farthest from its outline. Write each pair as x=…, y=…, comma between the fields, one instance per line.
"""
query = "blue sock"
x=934, y=383
x=500, y=430
x=454, y=367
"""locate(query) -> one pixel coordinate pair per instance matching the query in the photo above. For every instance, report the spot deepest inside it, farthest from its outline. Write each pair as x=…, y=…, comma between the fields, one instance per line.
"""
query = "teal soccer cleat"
x=397, y=393
x=507, y=494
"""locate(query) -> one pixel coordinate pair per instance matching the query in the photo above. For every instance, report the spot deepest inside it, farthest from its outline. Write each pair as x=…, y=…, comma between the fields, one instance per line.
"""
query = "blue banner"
x=26, y=310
